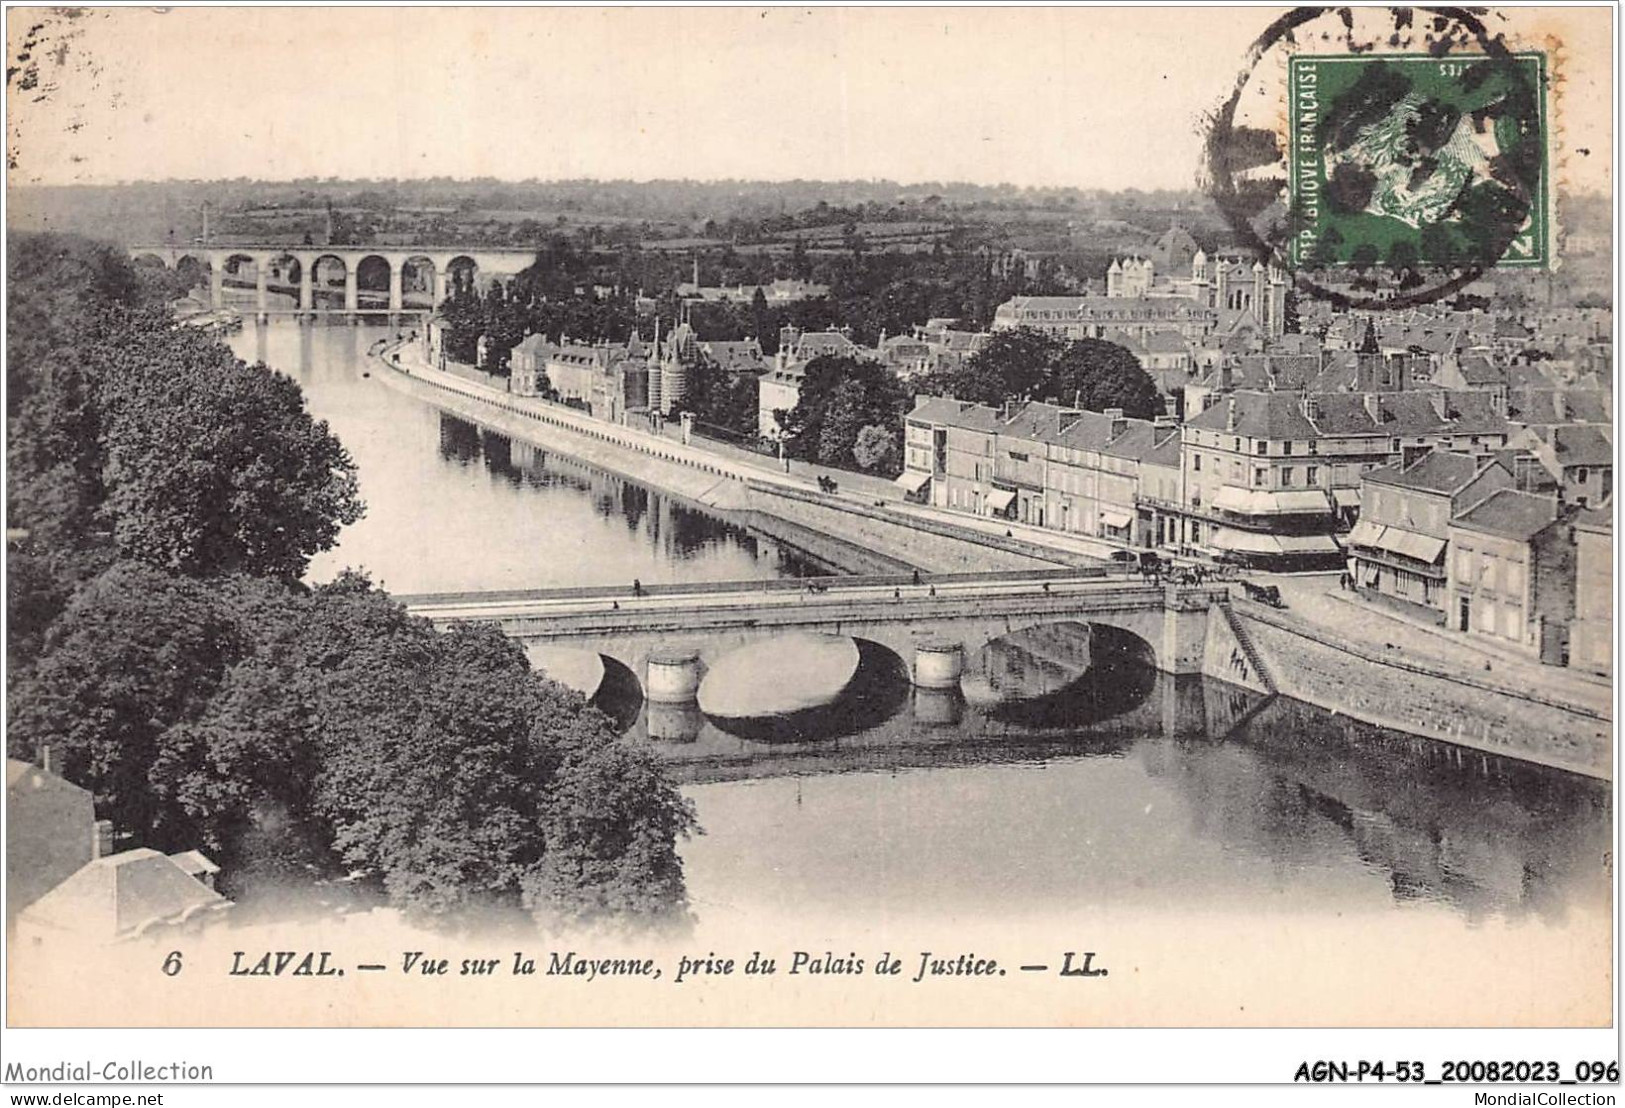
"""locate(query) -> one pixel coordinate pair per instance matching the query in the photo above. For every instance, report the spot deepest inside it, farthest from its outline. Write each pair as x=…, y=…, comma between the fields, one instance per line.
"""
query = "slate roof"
x=1166, y=342
x=1259, y=415
x=1509, y=514
x=1539, y=406
x=119, y=894
x=1594, y=519
x=1438, y=471
x=1582, y=445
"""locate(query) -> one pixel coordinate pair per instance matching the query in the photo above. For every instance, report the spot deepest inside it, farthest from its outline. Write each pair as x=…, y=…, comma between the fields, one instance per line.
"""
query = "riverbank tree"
x=166, y=499
x=840, y=397
x=1026, y=364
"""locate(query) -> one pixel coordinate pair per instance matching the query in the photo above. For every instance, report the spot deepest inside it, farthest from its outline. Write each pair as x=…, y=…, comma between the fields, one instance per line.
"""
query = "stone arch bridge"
x=1185, y=629
x=398, y=279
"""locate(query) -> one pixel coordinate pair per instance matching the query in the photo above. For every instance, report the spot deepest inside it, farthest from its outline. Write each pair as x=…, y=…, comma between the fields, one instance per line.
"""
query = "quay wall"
x=835, y=530
x=1313, y=665
x=919, y=543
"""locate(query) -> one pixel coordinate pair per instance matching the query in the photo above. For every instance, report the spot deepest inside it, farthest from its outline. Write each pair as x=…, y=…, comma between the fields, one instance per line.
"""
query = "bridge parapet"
x=1171, y=620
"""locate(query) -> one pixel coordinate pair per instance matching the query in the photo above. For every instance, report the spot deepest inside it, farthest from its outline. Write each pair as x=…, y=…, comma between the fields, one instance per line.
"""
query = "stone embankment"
x=1309, y=663
x=838, y=530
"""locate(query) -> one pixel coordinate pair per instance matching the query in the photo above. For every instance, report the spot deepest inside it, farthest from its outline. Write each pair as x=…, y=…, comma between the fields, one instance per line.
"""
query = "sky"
x=1082, y=97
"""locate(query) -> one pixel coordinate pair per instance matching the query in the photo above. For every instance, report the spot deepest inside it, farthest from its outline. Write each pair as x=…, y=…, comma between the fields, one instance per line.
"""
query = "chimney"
x=1230, y=415
x=101, y=839
x=47, y=758
x=1373, y=407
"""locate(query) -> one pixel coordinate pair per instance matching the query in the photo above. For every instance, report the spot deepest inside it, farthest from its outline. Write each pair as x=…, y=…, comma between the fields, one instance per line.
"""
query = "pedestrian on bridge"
x=637, y=587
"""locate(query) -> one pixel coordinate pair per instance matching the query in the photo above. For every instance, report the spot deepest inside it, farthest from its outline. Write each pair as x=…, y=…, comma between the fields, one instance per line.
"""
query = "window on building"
x=1311, y=475
x=1514, y=578
x=1512, y=621
x=1288, y=476
x=1236, y=446
x=1486, y=569
x=1464, y=563
x=1286, y=448
x=1262, y=446
x=1196, y=463
x=1580, y=474
x=1260, y=476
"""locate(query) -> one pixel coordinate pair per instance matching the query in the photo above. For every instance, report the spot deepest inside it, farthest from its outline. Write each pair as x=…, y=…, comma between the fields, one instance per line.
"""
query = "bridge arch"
x=462, y=273
x=241, y=272
x=285, y=272
x=420, y=282
x=150, y=259
x=373, y=273
x=193, y=270
x=329, y=273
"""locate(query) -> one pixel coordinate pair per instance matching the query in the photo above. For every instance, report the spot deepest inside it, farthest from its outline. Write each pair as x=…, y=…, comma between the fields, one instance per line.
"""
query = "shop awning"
x=1269, y=502
x=1244, y=542
x=912, y=481
x=1366, y=533
x=1346, y=498
x=1116, y=519
x=1308, y=544
x=1301, y=500
x=1000, y=499
x=1424, y=548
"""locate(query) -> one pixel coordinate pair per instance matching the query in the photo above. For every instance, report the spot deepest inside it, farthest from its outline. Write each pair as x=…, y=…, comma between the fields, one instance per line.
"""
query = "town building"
x=1064, y=469
x=1397, y=549
x=1591, y=635
x=611, y=381
x=1512, y=573
x=50, y=831
x=779, y=387
x=1274, y=478
x=1091, y=317
x=1578, y=457
x=117, y=897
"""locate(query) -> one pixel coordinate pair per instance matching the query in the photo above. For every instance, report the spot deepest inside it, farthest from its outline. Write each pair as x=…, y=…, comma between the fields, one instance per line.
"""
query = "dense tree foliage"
x=839, y=398
x=1026, y=364
x=131, y=436
x=161, y=642
x=721, y=400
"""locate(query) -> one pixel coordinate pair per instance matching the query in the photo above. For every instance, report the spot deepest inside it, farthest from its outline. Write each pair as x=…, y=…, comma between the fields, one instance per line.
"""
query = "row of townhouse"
x=1070, y=470
x=1274, y=479
x=1454, y=538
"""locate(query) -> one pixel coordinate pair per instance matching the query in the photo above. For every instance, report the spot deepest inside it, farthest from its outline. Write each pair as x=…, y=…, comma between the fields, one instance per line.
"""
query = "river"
x=1106, y=792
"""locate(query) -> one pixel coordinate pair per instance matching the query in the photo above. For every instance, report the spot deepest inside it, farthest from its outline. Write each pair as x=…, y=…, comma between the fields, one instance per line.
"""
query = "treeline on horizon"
x=164, y=499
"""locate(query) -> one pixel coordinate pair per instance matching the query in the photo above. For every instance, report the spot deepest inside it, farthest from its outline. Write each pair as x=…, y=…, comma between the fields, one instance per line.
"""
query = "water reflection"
x=1200, y=794
x=454, y=506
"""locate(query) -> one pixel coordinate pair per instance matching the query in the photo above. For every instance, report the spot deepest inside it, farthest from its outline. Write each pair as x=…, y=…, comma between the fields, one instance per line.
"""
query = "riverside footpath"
x=861, y=527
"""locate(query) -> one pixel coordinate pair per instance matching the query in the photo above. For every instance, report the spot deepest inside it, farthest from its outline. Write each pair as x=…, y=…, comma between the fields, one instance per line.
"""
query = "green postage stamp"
x=1413, y=161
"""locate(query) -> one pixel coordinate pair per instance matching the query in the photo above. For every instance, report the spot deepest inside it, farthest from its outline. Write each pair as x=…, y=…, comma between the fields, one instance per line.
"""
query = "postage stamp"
x=1407, y=160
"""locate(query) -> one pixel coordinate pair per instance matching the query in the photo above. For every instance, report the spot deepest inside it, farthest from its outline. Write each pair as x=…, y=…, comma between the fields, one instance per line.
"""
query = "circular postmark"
x=1407, y=155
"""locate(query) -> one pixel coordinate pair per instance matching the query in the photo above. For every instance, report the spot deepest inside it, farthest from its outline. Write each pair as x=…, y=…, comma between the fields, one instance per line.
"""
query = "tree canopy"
x=1025, y=363
x=839, y=397
x=169, y=498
